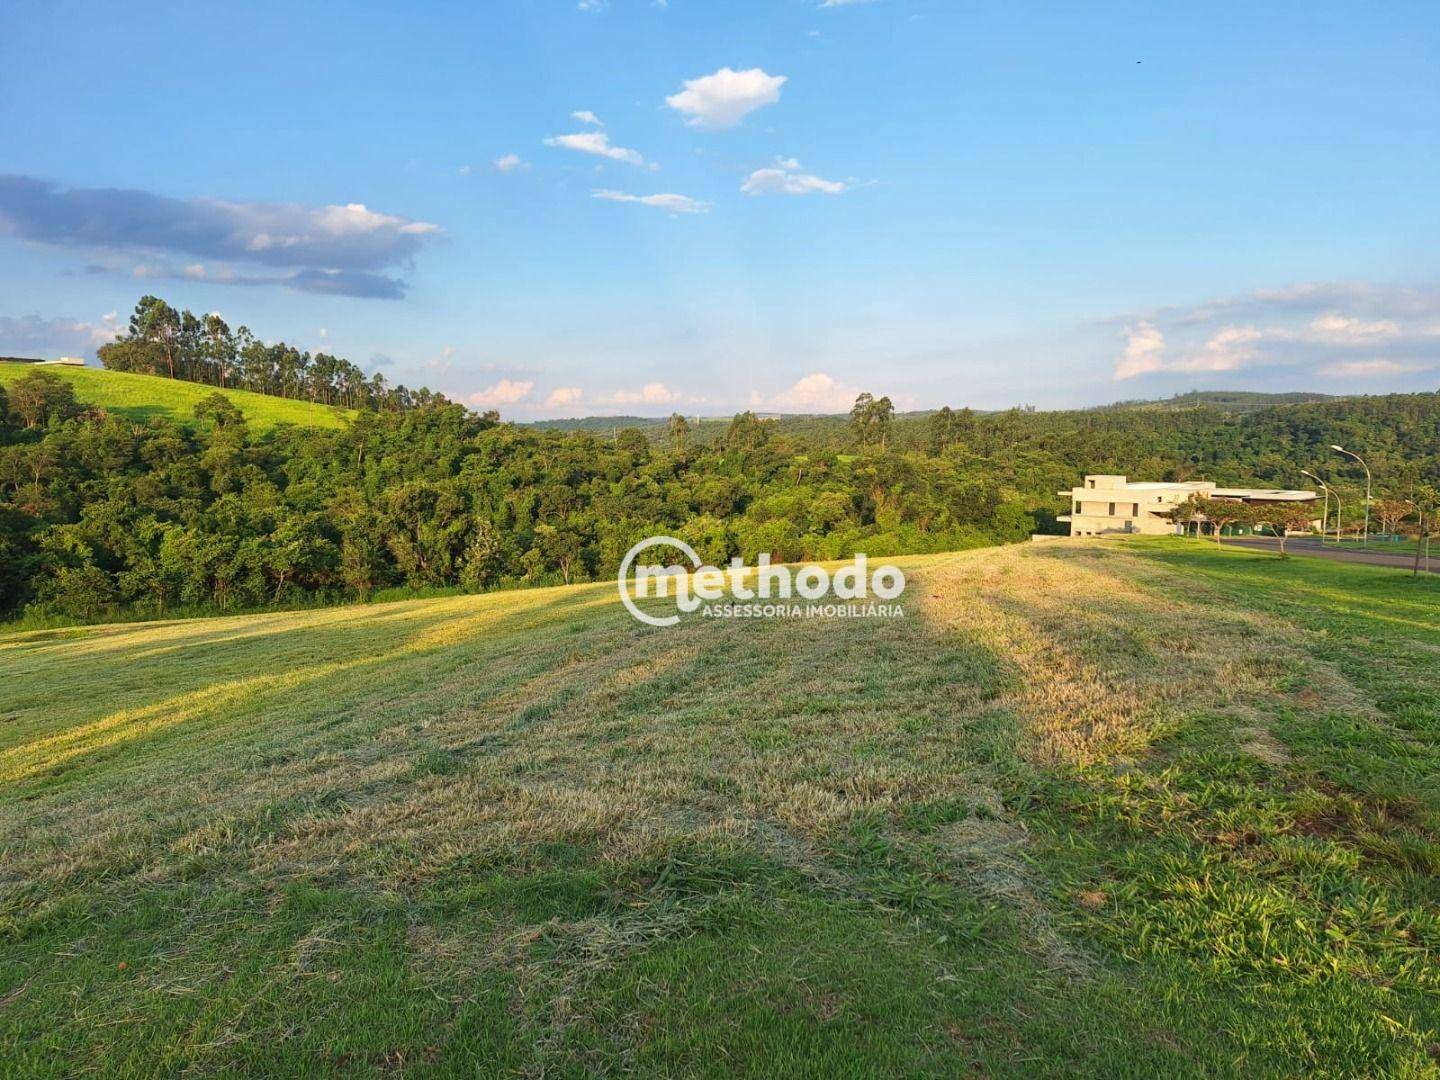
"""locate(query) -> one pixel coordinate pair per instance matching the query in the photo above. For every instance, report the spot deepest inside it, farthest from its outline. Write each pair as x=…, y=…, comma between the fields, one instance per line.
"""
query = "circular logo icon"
x=623, y=577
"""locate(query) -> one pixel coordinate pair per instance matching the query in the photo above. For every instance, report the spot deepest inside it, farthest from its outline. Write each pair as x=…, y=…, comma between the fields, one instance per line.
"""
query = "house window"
x=1090, y=483
x=1111, y=512
x=1134, y=509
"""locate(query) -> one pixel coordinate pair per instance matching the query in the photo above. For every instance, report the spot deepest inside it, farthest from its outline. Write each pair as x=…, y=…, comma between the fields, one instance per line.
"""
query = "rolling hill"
x=144, y=396
x=1088, y=809
x=1228, y=401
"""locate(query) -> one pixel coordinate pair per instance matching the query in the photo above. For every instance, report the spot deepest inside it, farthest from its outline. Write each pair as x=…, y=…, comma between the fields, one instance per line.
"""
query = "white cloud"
x=783, y=181
x=725, y=98
x=1228, y=348
x=1360, y=369
x=1144, y=351
x=585, y=116
x=563, y=397
x=817, y=392
x=1333, y=325
x=675, y=204
x=597, y=143
x=655, y=393
x=32, y=335
x=508, y=163
x=504, y=392
x=466, y=170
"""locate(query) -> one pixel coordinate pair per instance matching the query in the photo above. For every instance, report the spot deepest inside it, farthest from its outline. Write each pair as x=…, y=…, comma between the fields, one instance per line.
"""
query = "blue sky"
x=761, y=203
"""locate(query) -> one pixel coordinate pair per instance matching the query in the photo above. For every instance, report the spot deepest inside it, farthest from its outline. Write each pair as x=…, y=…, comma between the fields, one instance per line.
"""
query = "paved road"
x=1299, y=546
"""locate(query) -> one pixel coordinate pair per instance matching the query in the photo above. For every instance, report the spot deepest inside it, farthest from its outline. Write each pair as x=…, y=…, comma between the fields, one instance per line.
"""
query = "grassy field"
x=1108, y=809
x=143, y=396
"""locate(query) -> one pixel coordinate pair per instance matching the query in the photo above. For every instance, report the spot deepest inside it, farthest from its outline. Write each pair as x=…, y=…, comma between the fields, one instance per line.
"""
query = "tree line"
x=160, y=340
x=100, y=514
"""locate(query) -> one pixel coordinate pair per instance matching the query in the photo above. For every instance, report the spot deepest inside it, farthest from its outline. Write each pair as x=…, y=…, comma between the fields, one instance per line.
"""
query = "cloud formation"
x=336, y=248
x=675, y=204
x=1367, y=369
x=816, y=392
x=725, y=98
x=41, y=338
x=654, y=393
x=597, y=143
x=504, y=392
x=508, y=163
x=585, y=116
x=786, y=179
x=564, y=397
x=1337, y=331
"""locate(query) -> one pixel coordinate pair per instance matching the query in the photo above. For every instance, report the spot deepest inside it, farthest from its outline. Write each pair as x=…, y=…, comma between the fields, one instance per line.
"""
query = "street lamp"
x=1348, y=453
x=1324, y=513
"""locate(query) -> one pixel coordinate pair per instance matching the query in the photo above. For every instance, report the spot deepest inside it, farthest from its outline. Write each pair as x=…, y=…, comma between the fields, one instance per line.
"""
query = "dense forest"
x=97, y=512
x=203, y=349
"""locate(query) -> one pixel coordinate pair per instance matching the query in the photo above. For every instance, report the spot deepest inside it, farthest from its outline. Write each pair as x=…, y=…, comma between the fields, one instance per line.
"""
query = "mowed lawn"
x=1089, y=809
x=140, y=397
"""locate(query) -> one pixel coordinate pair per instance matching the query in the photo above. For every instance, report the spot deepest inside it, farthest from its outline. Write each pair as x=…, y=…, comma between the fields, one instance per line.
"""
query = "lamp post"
x=1325, y=512
x=1365, y=542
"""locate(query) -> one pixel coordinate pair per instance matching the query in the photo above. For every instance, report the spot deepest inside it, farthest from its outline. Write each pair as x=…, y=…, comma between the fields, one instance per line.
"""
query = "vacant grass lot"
x=143, y=396
x=1090, y=809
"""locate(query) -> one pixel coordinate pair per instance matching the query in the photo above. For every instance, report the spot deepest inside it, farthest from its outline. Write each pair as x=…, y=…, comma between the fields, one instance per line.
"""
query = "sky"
x=559, y=208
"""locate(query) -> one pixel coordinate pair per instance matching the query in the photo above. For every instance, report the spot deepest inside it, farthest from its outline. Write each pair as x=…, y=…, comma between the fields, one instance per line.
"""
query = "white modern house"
x=1107, y=504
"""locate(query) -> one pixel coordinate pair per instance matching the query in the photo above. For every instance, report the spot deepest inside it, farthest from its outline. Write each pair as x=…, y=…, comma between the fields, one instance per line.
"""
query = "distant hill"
x=1226, y=400
x=1229, y=401
x=143, y=396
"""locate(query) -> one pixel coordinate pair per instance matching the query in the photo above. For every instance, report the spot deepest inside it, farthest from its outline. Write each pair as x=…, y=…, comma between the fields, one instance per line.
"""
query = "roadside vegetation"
x=1098, y=808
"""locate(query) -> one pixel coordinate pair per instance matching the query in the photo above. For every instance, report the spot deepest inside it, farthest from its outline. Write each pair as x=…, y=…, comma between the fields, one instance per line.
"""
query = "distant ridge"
x=1227, y=400
x=1232, y=401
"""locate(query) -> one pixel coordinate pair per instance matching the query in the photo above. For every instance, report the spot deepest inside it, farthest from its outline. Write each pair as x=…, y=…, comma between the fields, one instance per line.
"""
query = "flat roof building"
x=1108, y=503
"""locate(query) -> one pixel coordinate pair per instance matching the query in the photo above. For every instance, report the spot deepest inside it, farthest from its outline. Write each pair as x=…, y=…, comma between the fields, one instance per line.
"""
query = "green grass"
x=1089, y=809
x=143, y=396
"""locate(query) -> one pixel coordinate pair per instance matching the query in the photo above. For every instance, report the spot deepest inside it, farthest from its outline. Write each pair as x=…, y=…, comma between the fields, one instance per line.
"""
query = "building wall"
x=1110, y=504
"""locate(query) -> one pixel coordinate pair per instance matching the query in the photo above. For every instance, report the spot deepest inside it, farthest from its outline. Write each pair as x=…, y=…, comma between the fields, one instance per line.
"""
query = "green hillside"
x=144, y=396
x=1088, y=809
x=1231, y=401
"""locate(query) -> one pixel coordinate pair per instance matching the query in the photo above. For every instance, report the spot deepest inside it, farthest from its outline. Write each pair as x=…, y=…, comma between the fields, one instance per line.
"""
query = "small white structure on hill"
x=1112, y=504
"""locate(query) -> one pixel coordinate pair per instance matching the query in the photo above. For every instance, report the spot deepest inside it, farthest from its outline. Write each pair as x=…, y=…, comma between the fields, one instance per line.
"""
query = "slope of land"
x=1088, y=809
x=143, y=396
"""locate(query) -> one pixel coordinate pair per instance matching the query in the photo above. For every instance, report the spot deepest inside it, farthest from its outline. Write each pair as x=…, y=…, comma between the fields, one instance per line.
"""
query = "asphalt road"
x=1299, y=546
